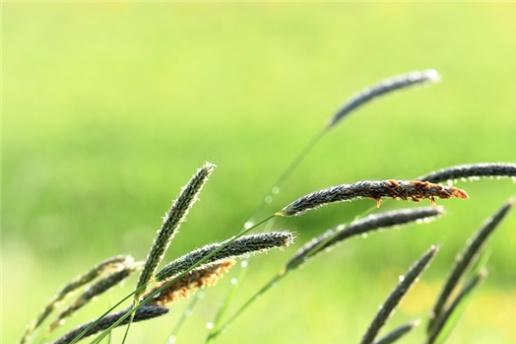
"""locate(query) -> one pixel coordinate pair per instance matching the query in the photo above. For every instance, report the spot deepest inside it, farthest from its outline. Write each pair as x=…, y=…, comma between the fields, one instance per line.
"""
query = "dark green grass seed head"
x=445, y=316
x=397, y=189
x=172, y=221
x=398, y=332
x=248, y=244
x=397, y=294
x=97, y=289
x=382, y=88
x=466, y=257
x=142, y=313
x=74, y=284
x=468, y=171
x=367, y=224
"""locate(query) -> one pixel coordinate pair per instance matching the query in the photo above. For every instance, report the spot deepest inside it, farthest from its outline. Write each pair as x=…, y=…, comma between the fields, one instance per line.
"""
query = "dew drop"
x=171, y=340
x=275, y=190
x=248, y=224
x=364, y=235
x=268, y=199
x=234, y=281
x=209, y=325
x=401, y=278
x=244, y=264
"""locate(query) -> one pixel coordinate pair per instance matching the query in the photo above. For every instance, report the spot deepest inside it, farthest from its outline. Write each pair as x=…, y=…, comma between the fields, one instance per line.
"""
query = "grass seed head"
x=248, y=244
x=173, y=220
x=382, y=88
x=414, y=190
x=142, y=313
x=466, y=257
x=205, y=276
x=361, y=226
x=397, y=294
x=79, y=281
x=98, y=288
x=469, y=171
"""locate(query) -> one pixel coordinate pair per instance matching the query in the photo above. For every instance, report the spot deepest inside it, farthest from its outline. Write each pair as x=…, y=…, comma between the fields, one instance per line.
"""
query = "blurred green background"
x=109, y=109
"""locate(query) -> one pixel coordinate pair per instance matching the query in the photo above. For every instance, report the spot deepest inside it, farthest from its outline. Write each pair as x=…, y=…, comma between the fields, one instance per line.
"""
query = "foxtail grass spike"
x=173, y=220
x=205, y=276
x=361, y=226
x=382, y=88
x=143, y=313
x=469, y=171
x=465, y=258
x=77, y=282
x=97, y=289
x=445, y=316
x=242, y=246
x=396, y=295
x=397, y=189
x=398, y=333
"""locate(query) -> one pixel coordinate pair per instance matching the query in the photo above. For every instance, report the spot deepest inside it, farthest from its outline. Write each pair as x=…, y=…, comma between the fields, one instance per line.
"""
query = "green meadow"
x=109, y=108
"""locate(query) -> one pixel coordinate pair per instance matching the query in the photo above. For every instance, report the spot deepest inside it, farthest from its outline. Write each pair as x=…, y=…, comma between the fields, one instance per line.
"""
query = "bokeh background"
x=109, y=109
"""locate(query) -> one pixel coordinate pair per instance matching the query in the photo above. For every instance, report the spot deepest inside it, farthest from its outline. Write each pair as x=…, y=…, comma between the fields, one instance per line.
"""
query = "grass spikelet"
x=398, y=332
x=361, y=226
x=489, y=169
x=442, y=321
x=465, y=258
x=77, y=282
x=143, y=313
x=397, y=189
x=205, y=276
x=96, y=289
x=382, y=88
x=243, y=246
x=173, y=219
x=397, y=294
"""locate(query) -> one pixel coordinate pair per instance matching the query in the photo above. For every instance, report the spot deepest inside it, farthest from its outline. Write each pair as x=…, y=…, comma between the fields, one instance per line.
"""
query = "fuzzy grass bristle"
x=397, y=189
